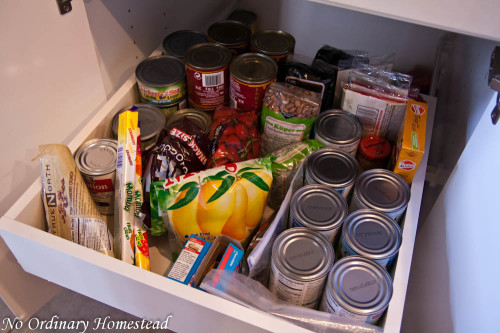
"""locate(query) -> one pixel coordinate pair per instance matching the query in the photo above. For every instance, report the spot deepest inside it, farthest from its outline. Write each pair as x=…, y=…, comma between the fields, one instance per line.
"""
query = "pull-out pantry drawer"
x=150, y=295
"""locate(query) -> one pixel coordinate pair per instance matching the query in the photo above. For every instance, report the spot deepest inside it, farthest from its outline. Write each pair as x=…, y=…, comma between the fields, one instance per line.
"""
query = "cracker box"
x=409, y=147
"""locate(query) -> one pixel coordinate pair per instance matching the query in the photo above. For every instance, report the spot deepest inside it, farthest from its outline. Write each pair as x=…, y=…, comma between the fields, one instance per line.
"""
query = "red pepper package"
x=235, y=136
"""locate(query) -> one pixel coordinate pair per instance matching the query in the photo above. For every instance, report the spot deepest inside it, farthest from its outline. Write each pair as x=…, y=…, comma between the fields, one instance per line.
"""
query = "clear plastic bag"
x=243, y=290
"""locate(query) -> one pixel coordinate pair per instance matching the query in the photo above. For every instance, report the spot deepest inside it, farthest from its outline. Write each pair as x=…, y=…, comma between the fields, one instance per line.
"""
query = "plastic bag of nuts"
x=288, y=115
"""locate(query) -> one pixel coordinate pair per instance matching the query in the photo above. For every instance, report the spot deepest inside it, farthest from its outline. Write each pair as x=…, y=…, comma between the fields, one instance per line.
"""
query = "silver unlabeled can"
x=381, y=190
x=96, y=160
x=319, y=208
x=357, y=288
x=300, y=262
x=338, y=129
x=371, y=234
x=332, y=167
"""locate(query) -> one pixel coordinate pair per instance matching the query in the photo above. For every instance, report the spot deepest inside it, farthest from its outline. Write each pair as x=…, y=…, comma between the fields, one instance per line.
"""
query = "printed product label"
x=102, y=190
x=305, y=294
x=207, y=89
x=186, y=260
x=92, y=233
x=168, y=110
x=163, y=95
x=246, y=96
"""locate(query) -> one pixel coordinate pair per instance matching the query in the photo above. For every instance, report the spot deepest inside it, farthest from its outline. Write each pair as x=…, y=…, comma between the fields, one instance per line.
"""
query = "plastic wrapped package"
x=243, y=290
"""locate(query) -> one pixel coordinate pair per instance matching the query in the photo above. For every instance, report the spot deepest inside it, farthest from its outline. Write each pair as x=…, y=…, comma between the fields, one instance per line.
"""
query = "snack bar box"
x=65, y=76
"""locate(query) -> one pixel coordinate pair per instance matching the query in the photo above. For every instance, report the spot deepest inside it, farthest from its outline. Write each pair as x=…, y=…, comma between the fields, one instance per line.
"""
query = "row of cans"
x=303, y=272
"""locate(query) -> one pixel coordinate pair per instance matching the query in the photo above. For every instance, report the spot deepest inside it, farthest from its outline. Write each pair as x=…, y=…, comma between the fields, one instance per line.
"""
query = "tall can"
x=357, y=288
x=207, y=71
x=161, y=81
x=332, y=167
x=177, y=43
x=319, y=208
x=383, y=191
x=246, y=17
x=250, y=75
x=338, y=129
x=232, y=34
x=372, y=235
x=276, y=44
x=300, y=262
x=96, y=160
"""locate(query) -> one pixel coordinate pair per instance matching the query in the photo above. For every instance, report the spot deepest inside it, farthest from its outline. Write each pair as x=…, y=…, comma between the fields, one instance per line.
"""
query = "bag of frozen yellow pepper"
x=228, y=200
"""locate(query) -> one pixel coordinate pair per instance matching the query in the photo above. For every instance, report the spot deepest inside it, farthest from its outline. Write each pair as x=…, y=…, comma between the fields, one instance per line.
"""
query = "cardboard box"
x=409, y=147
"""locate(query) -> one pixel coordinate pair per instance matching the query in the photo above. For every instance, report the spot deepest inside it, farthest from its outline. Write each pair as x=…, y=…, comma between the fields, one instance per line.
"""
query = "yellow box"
x=409, y=147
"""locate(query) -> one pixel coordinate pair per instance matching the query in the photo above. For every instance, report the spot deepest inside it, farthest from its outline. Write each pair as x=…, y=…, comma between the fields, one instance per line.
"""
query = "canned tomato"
x=373, y=152
x=319, y=208
x=161, y=80
x=207, y=69
x=372, y=235
x=96, y=160
x=250, y=74
x=151, y=121
x=246, y=17
x=338, y=129
x=357, y=288
x=200, y=118
x=276, y=44
x=381, y=190
x=300, y=262
x=232, y=34
x=178, y=42
x=332, y=167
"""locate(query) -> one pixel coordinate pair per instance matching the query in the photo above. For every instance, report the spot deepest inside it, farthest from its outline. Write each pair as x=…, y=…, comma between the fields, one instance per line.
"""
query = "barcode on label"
x=368, y=117
x=119, y=161
x=212, y=80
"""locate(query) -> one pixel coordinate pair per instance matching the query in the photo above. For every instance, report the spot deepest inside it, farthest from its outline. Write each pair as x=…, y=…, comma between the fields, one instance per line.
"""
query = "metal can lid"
x=229, y=33
x=318, y=207
x=302, y=254
x=207, y=56
x=97, y=157
x=360, y=285
x=178, y=42
x=337, y=126
x=253, y=68
x=272, y=42
x=332, y=167
x=160, y=71
x=244, y=16
x=200, y=118
x=372, y=234
x=151, y=121
x=382, y=190
x=374, y=148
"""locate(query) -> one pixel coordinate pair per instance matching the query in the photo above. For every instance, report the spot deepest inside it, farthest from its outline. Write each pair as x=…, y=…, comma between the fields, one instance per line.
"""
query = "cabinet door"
x=49, y=78
x=453, y=285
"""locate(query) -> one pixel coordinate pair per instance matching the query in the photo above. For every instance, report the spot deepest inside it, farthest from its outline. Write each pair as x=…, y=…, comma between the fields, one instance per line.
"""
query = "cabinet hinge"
x=64, y=6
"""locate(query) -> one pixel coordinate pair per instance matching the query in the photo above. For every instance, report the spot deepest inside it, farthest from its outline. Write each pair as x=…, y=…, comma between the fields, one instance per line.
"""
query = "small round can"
x=357, y=288
x=319, y=208
x=178, y=42
x=232, y=34
x=207, y=71
x=371, y=234
x=200, y=118
x=300, y=262
x=332, y=167
x=338, y=129
x=161, y=80
x=250, y=75
x=381, y=190
x=276, y=44
x=246, y=17
x=96, y=160
x=151, y=122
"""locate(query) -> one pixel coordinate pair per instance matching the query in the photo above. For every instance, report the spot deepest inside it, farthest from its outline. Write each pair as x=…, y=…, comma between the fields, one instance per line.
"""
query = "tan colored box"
x=409, y=147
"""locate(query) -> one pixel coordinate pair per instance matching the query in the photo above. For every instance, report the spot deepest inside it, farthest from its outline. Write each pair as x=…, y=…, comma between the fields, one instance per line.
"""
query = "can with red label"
x=207, y=73
x=250, y=74
x=96, y=160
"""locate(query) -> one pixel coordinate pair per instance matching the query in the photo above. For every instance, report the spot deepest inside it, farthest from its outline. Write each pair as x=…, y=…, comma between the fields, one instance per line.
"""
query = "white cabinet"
x=123, y=33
